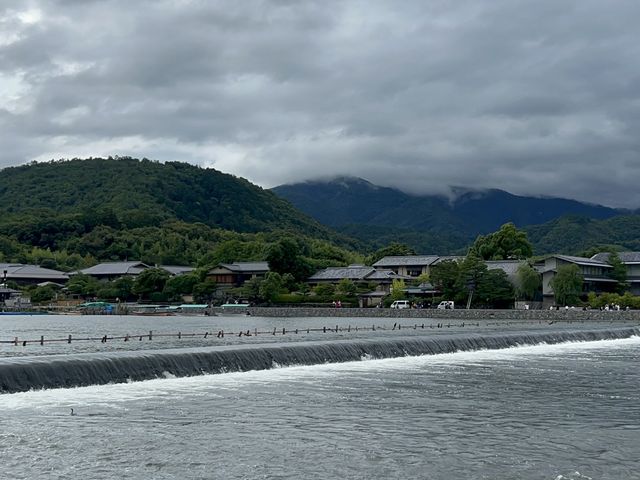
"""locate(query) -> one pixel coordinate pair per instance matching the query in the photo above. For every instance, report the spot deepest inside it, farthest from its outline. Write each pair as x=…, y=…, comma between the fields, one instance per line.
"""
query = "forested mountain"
x=138, y=193
x=347, y=201
x=82, y=211
x=428, y=223
x=578, y=234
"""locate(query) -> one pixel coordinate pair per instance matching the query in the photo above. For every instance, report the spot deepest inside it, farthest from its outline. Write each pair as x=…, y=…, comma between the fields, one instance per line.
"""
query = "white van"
x=446, y=305
x=401, y=304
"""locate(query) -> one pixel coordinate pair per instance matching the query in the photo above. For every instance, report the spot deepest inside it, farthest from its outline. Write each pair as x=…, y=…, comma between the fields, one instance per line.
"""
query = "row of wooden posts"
x=221, y=333
x=255, y=332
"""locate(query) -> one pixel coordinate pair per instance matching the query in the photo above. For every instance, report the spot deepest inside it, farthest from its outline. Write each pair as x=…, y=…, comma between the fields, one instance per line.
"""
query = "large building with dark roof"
x=594, y=273
x=237, y=273
x=631, y=260
x=407, y=265
x=31, y=274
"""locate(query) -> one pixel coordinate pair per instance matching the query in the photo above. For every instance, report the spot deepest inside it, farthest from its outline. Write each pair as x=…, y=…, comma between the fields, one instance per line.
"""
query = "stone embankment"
x=461, y=314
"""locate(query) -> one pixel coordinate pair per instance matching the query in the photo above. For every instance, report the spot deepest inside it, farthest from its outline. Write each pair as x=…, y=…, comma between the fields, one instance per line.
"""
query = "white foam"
x=170, y=386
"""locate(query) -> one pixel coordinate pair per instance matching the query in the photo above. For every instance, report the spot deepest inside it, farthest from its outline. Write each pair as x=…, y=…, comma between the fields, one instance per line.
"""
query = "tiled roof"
x=20, y=271
x=246, y=267
x=385, y=274
x=625, y=257
x=448, y=257
x=406, y=260
x=582, y=261
x=176, y=269
x=339, y=273
x=510, y=267
x=115, y=268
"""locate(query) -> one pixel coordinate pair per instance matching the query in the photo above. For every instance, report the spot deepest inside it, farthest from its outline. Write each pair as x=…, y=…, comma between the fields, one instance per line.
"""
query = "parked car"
x=446, y=305
x=401, y=304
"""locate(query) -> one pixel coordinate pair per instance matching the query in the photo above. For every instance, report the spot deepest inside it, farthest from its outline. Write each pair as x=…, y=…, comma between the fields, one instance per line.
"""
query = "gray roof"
x=448, y=257
x=339, y=273
x=246, y=267
x=115, y=268
x=625, y=257
x=582, y=261
x=19, y=271
x=510, y=267
x=406, y=260
x=176, y=269
x=385, y=274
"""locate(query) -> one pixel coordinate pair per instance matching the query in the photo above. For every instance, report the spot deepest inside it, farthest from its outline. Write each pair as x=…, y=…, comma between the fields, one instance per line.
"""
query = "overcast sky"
x=536, y=97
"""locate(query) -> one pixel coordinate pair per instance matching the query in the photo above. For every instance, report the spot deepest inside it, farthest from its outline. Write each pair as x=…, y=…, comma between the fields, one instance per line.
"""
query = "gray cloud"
x=532, y=97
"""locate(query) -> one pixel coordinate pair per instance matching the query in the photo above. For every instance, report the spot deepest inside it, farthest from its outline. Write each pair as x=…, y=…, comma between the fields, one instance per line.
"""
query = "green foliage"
x=508, y=242
x=528, y=282
x=324, y=290
x=271, y=286
x=567, y=284
x=81, y=284
x=445, y=276
x=346, y=287
x=573, y=235
x=286, y=256
x=43, y=294
x=618, y=272
x=151, y=280
x=204, y=291
x=180, y=285
x=493, y=290
x=626, y=300
x=398, y=288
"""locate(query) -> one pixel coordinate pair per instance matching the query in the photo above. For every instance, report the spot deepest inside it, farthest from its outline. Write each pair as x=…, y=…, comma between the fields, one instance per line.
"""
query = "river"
x=563, y=411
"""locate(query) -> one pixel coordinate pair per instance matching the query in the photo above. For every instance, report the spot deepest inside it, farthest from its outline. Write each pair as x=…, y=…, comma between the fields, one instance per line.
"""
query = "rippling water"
x=569, y=411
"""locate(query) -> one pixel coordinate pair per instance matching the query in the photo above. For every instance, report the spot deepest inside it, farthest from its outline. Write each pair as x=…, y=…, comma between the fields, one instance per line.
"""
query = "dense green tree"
x=149, y=281
x=251, y=290
x=508, y=242
x=398, y=288
x=445, y=276
x=618, y=272
x=324, y=290
x=346, y=287
x=42, y=294
x=567, y=284
x=181, y=285
x=285, y=256
x=493, y=290
x=271, y=286
x=204, y=291
x=81, y=284
x=528, y=282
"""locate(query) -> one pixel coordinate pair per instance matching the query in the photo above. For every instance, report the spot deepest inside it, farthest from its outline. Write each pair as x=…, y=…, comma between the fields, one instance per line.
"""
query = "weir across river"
x=74, y=370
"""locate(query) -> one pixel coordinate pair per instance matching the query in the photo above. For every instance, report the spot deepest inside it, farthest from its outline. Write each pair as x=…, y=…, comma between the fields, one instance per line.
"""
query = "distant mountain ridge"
x=350, y=204
x=345, y=201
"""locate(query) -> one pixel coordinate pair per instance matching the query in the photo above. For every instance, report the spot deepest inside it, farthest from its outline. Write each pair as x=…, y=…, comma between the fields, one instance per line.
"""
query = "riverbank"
x=468, y=315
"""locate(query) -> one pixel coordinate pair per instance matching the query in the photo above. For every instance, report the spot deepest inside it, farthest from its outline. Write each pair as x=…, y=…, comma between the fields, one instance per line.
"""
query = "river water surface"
x=568, y=411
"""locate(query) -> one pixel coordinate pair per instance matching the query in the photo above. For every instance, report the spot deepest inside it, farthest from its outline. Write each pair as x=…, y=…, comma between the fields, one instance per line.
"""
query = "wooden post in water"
x=15, y=341
x=179, y=335
x=69, y=339
x=150, y=334
x=41, y=339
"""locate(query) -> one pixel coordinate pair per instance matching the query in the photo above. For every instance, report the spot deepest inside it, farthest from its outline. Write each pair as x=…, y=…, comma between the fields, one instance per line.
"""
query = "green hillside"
x=142, y=193
x=109, y=209
x=577, y=234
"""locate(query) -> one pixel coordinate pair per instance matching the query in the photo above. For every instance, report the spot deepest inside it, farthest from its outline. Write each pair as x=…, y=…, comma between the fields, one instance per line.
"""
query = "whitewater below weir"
x=564, y=411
